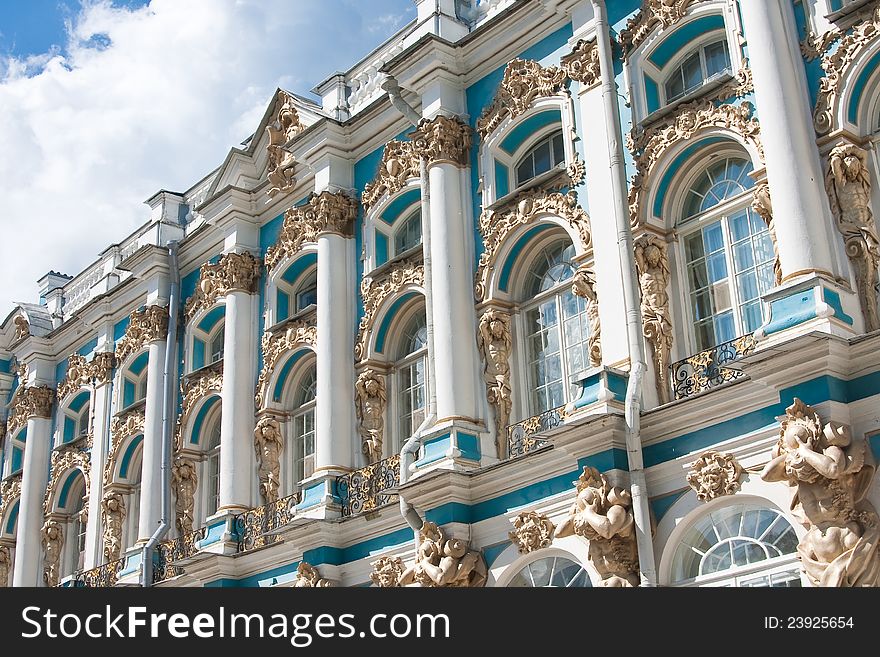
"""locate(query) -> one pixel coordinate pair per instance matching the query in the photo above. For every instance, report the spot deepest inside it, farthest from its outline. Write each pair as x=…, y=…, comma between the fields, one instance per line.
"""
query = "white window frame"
x=296, y=446
x=373, y=224
x=396, y=388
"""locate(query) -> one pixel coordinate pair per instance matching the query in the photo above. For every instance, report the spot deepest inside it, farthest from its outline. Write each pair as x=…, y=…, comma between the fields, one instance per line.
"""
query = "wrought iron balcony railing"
x=173, y=551
x=520, y=436
x=365, y=489
x=257, y=528
x=706, y=369
x=102, y=576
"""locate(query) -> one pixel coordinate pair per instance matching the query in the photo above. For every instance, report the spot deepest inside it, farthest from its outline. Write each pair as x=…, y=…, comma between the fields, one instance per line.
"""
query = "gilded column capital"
x=443, y=140
x=101, y=367
x=234, y=272
x=35, y=401
x=334, y=212
x=145, y=325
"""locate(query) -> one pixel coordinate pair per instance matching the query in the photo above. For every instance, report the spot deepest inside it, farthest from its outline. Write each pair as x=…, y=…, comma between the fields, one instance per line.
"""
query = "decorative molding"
x=653, y=13
x=761, y=203
x=274, y=345
x=283, y=126
x=848, y=184
x=194, y=387
x=52, y=539
x=234, y=272
x=714, y=474
x=268, y=444
x=584, y=286
x=307, y=576
x=10, y=491
x=122, y=427
x=603, y=515
x=576, y=171
x=652, y=262
x=387, y=572
x=327, y=212
x=370, y=402
x=184, y=482
x=495, y=342
x=34, y=401
x=5, y=566
x=400, y=162
x=145, y=325
x=649, y=145
x=443, y=140
x=531, y=531
x=112, y=518
x=524, y=80
x=442, y=562
x=582, y=63
x=496, y=225
x=82, y=372
x=374, y=291
x=829, y=474
x=814, y=45
x=836, y=66
x=64, y=459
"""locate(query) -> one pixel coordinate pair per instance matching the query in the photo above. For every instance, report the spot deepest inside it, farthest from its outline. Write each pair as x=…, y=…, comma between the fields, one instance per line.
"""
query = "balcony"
x=103, y=576
x=521, y=437
x=706, y=370
x=259, y=527
x=366, y=489
x=173, y=551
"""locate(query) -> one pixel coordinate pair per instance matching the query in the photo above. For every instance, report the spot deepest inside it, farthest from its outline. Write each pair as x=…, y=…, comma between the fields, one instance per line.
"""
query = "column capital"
x=32, y=402
x=145, y=326
x=234, y=272
x=443, y=139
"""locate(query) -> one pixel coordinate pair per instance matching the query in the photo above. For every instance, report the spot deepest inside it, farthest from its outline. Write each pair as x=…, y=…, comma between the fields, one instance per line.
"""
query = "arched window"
x=411, y=378
x=697, y=68
x=16, y=452
x=76, y=417
x=134, y=381
x=212, y=466
x=557, y=329
x=540, y=158
x=409, y=235
x=217, y=344
x=728, y=253
x=556, y=572
x=301, y=456
x=133, y=501
x=81, y=427
x=738, y=545
x=74, y=528
x=307, y=292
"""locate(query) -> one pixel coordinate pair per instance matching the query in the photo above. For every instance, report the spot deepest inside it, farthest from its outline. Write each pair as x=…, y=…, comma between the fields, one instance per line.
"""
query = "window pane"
x=691, y=72
x=524, y=171
x=542, y=157
x=674, y=86
x=717, y=58
x=558, y=149
x=739, y=226
x=724, y=327
x=747, y=285
x=717, y=266
x=713, y=238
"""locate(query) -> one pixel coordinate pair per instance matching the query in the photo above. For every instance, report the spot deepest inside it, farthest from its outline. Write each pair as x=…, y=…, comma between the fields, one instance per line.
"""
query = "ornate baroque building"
x=539, y=293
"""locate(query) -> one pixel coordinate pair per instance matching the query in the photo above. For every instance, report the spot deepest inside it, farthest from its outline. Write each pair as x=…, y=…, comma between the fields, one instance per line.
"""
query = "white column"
x=100, y=445
x=801, y=213
x=334, y=404
x=237, y=422
x=151, y=460
x=35, y=478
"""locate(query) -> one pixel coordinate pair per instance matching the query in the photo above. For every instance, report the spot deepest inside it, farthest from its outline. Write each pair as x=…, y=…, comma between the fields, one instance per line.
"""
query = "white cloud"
x=149, y=99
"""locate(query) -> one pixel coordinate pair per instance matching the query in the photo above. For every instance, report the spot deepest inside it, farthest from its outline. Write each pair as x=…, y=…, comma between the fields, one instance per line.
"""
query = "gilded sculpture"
x=307, y=576
x=5, y=566
x=653, y=269
x=112, y=517
x=22, y=328
x=400, y=163
x=442, y=140
x=830, y=474
x=281, y=165
x=387, y=572
x=145, y=325
x=234, y=272
x=603, y=515
x=495, y=342
x=52, y=538
x=184, y=481
x=269, y=444
x=531, y=531
x=714, y=474
x=275, y=345
x=584, y=285
x=762, y=204
x=848, y=184
x=442, y=562
x=370, y=402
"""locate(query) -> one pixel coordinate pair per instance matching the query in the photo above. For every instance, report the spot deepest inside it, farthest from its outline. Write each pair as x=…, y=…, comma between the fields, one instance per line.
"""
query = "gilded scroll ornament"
x=387, y=572
x=762, y=205
x=400, y=163
x=652, y=263
x=582, y=63
x=76, y=377
x=52, y=538
x=64, y=459
x=121, y=427
x=112, y=517
x=829, y=473
x=194, y=387
x=714, y=474
x=5, y=566
x=145, y=325
x=268, y=444
x=653, y=14
x=370, y=402
x=442, y=562
x=531, y=531
x=443, y=140
x=10, y=492
x=307, y=576
x=184, y=482
x=495, y=342
x=848, y=184
x=282, y=127
x=274, y=345
x=602, y=514
x=233, y=272
x=584, y=286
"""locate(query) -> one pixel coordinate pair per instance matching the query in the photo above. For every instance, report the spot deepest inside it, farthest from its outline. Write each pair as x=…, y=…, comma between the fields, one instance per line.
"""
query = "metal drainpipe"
x=641, y=512
x=167, y=415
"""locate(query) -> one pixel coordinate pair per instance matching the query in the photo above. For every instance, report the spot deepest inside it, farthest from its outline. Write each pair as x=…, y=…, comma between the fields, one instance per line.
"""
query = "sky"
x=104, y=102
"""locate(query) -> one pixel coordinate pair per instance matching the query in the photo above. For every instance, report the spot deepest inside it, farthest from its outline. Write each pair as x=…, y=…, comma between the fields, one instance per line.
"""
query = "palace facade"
x=538, y=293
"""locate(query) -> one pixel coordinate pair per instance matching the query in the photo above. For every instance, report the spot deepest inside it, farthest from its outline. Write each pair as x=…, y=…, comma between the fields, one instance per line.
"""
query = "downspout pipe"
x=168, y=412
x=632, y=413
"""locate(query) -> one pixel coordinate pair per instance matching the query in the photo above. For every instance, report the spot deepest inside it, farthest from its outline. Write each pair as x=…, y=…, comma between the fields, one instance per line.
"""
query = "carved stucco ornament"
x=837, y=66
x=34, y=401
x=22, y=328
x=112, y=518
x=582, y=63
x=197, y=386
x=829, y=472
x=848, y=184
x=652, y=262
x=762, y=204
x=184, y=482
x=523, y=81
x=52, y=539
x=64, y=459
x=531, y=531
x=387, y=572
x=233, y=272
x=283, y=126
x=268, y=444
x=495, y=342
x=371, y=399
x=584, y=286
x=327, y=212
x=374, y=291
x=400, y=163
x=442, y=562
x=307, y=576
x=82, y=372
x=649, y=146
x=714, y=474
x=121, y=427
x=443, y=139
x=10, y=491
x=602, y=514
x=531, y=206
x=5, y=566
x=292, y=335
x=653, y=14
x=145, y=325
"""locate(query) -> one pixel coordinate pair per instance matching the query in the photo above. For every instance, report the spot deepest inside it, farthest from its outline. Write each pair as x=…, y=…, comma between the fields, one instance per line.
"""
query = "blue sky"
x=104, y=102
